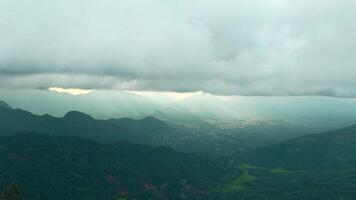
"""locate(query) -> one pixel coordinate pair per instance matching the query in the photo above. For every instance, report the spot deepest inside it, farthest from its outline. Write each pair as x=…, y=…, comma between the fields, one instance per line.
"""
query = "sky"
x=225, y=47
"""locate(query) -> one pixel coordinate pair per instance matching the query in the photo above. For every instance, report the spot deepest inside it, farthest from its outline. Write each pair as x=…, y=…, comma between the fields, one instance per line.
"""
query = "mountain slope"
x=61, y=167
x=318, y=166
x=331, y=150
x=205, y=139
x=258, y=183
x=3, y=104
x=148, y=130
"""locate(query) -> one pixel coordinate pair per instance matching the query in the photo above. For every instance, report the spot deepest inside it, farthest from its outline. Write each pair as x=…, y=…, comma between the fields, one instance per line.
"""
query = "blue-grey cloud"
x=247, y=47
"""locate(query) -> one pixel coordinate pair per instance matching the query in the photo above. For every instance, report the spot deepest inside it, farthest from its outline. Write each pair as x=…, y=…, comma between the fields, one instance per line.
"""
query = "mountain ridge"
x=75, y=123
x=334, y=149
x=3, y=104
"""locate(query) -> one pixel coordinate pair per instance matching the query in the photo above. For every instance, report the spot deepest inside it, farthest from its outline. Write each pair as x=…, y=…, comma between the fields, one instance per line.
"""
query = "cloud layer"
x=246, y=47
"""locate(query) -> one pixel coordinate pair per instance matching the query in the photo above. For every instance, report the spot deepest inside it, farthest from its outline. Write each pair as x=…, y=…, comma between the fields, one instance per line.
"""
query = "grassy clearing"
x=238, y=185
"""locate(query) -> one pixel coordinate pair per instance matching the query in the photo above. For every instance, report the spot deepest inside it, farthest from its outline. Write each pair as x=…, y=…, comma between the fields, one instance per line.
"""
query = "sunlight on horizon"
x=72, y=91
x=173, y=95
x=176, y=96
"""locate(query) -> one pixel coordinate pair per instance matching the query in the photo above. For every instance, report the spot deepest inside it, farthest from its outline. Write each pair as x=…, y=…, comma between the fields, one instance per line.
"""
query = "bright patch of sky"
x=72, y=91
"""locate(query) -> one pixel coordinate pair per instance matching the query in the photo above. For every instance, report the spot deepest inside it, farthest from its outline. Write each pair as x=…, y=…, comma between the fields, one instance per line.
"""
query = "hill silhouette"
x=146, y=131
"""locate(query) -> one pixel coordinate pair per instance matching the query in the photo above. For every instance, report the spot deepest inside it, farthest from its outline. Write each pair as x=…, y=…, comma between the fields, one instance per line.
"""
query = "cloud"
x=247, y=47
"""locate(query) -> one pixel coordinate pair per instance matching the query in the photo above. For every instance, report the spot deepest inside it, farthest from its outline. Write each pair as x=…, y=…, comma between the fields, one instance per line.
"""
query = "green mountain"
x=62, y=167
x=259, y=183
x=331, y=150
x=207, y=140
x=145, y=131
x=3, y=104
x=79, y=157
x=318, y=166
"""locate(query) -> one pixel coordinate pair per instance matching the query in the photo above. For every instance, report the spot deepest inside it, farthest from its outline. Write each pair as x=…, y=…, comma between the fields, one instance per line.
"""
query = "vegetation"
x=279, y=184
x=74, y=160
x=202, y=139
x=10, y=193
x=61, y=167
x=331, y=150
x=238, y=185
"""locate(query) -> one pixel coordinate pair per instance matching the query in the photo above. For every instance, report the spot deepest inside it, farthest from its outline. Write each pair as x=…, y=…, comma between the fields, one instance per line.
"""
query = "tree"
x=10, y=193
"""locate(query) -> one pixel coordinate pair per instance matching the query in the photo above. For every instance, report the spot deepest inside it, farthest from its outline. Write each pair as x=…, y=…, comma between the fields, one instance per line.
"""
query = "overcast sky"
x=224, y=47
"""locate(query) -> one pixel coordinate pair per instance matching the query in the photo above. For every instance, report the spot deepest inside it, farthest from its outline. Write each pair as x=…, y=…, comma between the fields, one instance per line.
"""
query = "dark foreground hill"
x=62, y=167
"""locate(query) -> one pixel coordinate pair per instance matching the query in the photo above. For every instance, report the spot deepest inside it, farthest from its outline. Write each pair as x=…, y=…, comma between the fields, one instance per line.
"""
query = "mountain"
x=330, y=150
x=3, y=104
x=146, y=131
x=258, y=183
x=317, y=166
x=99, y=103
x=62, y=167
x=76, y=116
x=205, y=139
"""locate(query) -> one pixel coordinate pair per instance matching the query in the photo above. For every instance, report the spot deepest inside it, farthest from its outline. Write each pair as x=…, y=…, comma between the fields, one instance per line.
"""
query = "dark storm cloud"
x=272, y=47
